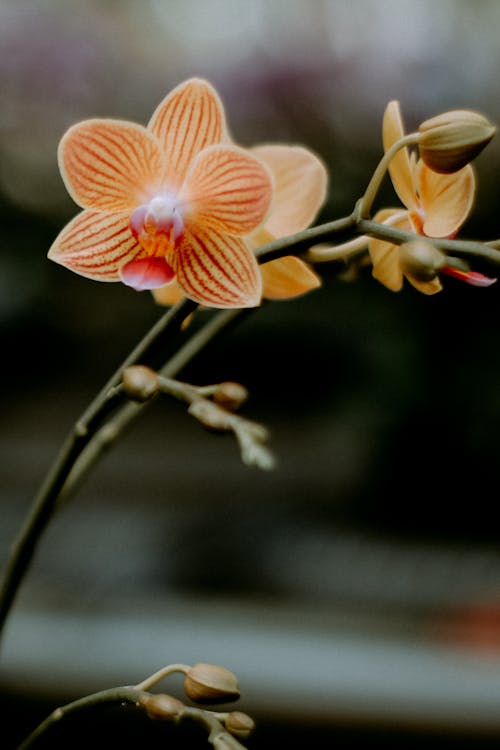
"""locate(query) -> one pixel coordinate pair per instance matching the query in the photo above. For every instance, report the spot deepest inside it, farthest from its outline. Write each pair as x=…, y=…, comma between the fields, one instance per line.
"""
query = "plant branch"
x=106, y=401
x=117, y=695
x=461, y=248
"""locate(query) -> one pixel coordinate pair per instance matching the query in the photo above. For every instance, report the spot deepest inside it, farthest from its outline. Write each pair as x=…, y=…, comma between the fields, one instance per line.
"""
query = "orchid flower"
x=172, y=200
x=436, y=205
x=300, y=185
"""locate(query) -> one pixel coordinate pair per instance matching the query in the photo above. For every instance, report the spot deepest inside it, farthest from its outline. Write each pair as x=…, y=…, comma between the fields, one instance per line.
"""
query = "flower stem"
x=117, y=695
x=462, y=248
x=106, y=401
x=366, y=202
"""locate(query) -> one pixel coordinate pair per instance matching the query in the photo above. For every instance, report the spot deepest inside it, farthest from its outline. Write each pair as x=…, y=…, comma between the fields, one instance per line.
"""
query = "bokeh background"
x=355, y=590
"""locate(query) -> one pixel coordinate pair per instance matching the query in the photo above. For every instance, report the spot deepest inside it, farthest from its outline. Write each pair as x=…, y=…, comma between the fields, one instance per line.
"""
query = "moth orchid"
x=300, y=185
x=172, y=200
x=436, y=205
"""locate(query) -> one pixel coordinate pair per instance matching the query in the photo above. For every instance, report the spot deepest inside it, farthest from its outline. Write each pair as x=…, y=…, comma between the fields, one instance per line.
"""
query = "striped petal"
x=400, y=167
x=447, y=199
x=287, y=277
x=385, y=255
x=300, y=185
x=227, y=189
x=110, y=165
x=96, y=245
x=188, y=120
x=216, y=270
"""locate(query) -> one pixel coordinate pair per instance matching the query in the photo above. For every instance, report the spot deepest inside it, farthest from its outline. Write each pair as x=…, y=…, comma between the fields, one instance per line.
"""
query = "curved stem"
x=153, y=679
x=79, y=437
x=296, y=244
x=366, y=202
x=118, y=695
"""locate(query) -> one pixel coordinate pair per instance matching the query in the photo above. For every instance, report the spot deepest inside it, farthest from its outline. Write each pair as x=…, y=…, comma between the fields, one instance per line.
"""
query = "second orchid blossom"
x=170, y=201
x=436, y=205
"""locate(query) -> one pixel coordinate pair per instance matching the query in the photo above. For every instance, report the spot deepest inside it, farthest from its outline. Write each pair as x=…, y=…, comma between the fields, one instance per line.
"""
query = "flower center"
x=157, y=223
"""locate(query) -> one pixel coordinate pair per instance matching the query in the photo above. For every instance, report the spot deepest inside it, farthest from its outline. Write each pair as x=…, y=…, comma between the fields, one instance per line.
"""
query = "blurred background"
x=355, y=591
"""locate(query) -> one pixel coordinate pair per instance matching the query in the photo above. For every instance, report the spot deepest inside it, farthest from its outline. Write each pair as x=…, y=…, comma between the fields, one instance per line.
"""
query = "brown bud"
x=230, y=395
x=209, y=683
x=421, y=259
x=161, y=706
x=140, y=383
x=453, y=139
x=239, y=724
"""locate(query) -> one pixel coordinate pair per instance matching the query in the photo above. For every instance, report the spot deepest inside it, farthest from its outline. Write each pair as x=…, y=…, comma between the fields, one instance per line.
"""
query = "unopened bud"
x=420, y=259
x=230, y=395
x=161, y=706
x=210, y=415
x=140, y=383
x=209, y=683
x=453, y=139
x=239, y=724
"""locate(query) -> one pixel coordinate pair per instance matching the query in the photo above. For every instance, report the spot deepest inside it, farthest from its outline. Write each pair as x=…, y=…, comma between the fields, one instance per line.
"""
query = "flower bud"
x=140, y=383
x=209, y=683
x=161, y=706
x=239, y=724
x=421, y=259
x=230, y=395
x=451, y=140
x=210, y=415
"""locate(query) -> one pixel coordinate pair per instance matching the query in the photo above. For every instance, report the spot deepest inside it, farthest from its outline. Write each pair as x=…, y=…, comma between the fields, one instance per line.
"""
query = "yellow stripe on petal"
x=447, y=199
x=228, y=190
x=188, y=120
x=216, y=270
x=287, y=277
x=110, y=165
x=96, y=245
x=400, y=167
x=300, y=185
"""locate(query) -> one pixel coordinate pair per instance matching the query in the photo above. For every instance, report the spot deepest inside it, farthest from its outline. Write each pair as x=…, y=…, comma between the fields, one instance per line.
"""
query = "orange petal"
x=400, y=167
x=95, y=245
x=227, y=189
x=216, y=270
x=287, y=277
x=447, y=199
x=110, y=165
x=426, y=287
x=300, y=185
x=188, y=120
x=169, y=294
x=385, y=255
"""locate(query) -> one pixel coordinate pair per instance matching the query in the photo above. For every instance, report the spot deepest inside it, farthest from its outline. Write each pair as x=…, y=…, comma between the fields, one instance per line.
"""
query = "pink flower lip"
x=147, y=273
